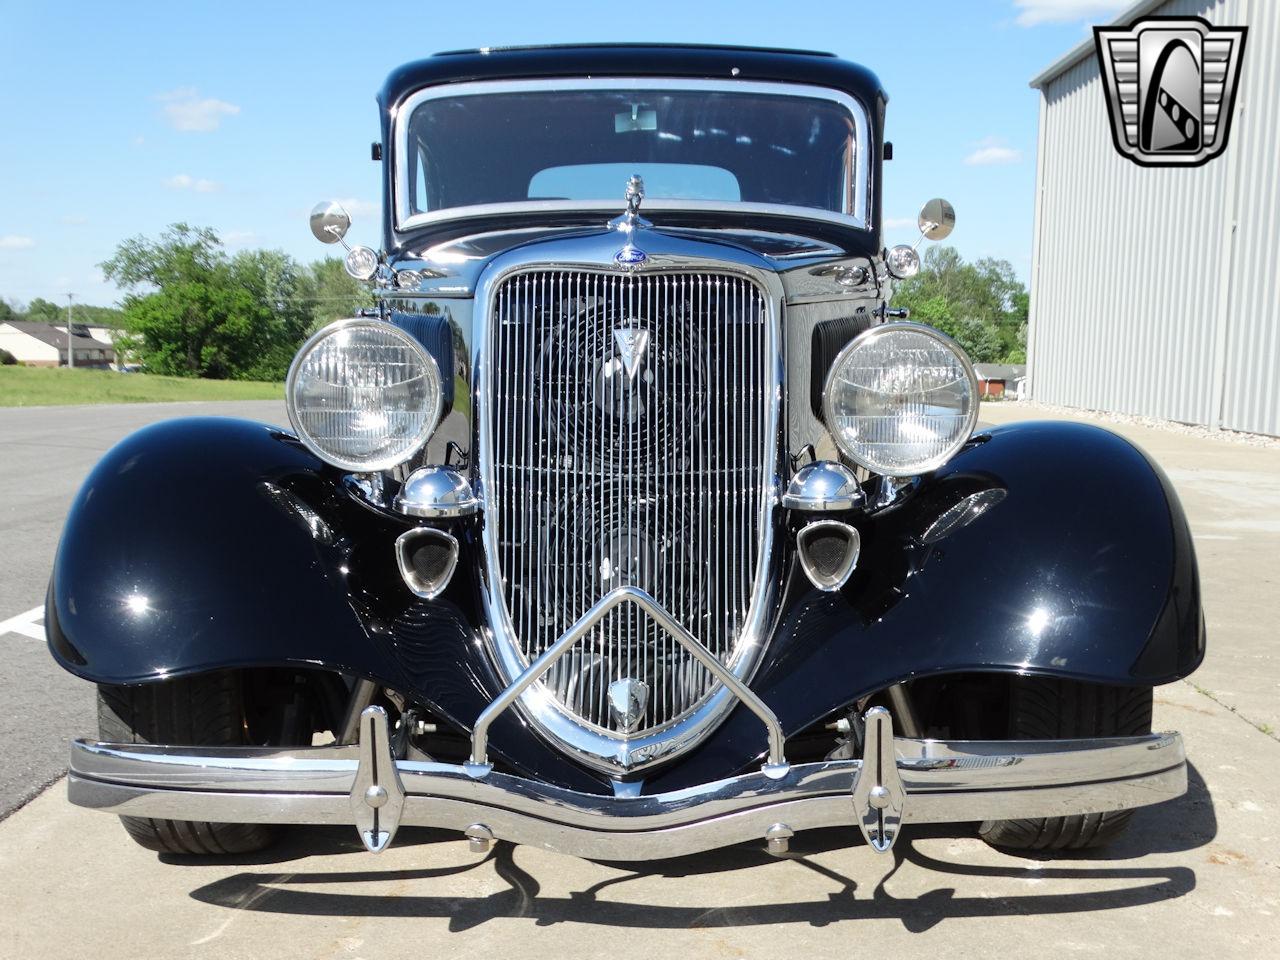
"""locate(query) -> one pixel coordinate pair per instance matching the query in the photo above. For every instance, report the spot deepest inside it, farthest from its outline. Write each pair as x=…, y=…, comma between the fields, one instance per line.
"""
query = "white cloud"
x=238, y=238
x=900, y=223
x=1034, y=12
x=12, y=241
x=74, y=220
x=184, y=182
x=361, y=208
x=187, y=111
x=992, y=151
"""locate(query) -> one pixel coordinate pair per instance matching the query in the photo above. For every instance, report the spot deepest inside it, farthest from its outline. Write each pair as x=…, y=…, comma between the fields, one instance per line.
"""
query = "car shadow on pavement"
x=1179, y=825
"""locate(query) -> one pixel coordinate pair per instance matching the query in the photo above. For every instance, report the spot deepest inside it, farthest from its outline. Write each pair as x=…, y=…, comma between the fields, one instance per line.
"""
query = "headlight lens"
x=901, y=399
x=363, y=395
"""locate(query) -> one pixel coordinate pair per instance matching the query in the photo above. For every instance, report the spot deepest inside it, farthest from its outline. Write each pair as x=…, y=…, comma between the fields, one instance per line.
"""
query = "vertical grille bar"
x=628, y=447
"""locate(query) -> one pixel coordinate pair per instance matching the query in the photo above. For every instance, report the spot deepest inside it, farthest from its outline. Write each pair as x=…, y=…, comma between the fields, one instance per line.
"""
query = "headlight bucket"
x=363, y=395
x=901, y=399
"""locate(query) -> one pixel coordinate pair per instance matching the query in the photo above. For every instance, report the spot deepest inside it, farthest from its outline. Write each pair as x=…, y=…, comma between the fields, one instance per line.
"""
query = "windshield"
x=573, y=144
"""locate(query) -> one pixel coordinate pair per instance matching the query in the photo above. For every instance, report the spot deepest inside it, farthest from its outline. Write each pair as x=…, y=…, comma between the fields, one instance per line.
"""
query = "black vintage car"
x=632, y=522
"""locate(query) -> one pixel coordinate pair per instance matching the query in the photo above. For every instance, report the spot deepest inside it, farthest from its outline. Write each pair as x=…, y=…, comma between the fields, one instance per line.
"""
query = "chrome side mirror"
x=329, y=222
x=937, y=219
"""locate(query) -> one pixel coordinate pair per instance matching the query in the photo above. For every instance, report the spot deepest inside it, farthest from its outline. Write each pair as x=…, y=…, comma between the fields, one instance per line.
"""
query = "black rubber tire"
x=1042, y=708
x=203, y=711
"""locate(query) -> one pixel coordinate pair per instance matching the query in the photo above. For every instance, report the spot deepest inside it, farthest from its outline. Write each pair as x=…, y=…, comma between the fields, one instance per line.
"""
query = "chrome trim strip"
x=943, y=782
x=671, y=254
x=856, y=215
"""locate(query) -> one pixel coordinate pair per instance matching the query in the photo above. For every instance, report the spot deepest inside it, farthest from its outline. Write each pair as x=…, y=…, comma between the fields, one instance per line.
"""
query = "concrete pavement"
x=1195, y=877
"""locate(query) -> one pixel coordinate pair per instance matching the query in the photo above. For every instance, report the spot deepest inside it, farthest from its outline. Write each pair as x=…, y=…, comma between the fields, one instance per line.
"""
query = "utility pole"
x=71, y=350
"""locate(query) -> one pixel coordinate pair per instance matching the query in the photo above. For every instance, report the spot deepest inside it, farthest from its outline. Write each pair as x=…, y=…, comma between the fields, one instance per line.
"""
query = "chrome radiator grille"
x=628, y=416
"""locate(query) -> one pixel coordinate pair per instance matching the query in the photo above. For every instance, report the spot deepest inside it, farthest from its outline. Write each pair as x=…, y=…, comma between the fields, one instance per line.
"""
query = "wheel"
x=204, y=711
x=1046, y=709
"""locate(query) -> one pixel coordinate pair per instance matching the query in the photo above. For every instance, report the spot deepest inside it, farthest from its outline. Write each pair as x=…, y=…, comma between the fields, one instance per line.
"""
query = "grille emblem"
x=633, y=344
x=630, y=256
x=628, y=700
x=1171, y=86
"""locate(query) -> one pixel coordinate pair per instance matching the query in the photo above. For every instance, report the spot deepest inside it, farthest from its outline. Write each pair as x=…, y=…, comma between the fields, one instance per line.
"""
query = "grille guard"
x=929, y=781
x=776, y=764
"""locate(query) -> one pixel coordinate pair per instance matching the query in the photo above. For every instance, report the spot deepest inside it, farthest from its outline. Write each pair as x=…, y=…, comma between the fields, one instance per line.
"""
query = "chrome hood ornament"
x=630, y=255
x=628, y=700
x=634, y=196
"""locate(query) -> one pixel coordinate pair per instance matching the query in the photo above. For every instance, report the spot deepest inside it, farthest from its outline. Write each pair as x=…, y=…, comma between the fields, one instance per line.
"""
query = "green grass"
x=50, y=386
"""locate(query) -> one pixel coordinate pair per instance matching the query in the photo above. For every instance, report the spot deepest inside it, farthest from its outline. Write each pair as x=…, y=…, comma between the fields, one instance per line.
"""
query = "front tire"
x=203, y=711
x=1048, y=709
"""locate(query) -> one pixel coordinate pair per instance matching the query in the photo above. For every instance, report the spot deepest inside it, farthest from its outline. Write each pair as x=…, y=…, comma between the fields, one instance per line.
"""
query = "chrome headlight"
x=363, y=395
x=901, y=399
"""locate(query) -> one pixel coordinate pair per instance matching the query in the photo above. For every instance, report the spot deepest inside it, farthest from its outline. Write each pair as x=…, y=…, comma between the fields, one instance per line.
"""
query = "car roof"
x=699, y=61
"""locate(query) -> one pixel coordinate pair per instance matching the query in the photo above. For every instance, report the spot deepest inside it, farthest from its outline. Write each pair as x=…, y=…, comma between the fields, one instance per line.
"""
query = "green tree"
x=45, y=311
x=193, y=311
x=981, y=305
x=331, y=293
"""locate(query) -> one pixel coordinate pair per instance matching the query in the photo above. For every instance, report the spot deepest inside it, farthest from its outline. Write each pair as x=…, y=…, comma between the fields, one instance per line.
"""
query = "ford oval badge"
x=630, y=256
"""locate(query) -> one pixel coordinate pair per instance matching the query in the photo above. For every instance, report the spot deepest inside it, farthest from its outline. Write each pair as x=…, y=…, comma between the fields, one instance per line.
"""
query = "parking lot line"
x=27, y=624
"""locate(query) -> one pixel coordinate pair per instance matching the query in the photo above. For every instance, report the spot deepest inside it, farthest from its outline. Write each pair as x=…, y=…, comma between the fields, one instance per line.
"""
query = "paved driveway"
x=1195, y=877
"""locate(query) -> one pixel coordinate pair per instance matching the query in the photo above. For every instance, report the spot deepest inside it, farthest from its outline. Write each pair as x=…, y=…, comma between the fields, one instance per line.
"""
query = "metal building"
x=1156, y=291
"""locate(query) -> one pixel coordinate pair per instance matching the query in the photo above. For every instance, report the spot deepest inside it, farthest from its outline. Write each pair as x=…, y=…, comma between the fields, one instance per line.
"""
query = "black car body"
x=631, y=562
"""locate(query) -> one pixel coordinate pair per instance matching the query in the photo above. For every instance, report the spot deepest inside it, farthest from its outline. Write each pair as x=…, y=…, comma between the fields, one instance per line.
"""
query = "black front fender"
x=1084, y=568
x=201, y=544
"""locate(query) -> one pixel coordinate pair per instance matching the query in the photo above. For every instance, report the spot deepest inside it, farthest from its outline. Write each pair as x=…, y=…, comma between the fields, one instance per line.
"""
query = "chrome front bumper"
x=897, y=781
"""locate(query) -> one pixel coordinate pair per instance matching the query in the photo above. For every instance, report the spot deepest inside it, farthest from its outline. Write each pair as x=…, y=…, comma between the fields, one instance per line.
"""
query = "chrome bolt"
x=878, y=797
x=375, y=796
x=479, y=838
x=778, y=839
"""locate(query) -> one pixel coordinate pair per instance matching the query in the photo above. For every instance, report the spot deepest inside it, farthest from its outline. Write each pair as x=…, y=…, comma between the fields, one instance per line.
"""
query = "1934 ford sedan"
x=632, y=522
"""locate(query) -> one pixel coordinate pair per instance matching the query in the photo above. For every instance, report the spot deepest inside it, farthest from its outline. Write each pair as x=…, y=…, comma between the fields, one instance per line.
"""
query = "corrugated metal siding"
x=1251, y=398
x=1143, y=299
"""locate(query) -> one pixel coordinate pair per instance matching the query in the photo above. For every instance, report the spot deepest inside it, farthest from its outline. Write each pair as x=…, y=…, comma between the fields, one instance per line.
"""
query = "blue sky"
x=122, y=118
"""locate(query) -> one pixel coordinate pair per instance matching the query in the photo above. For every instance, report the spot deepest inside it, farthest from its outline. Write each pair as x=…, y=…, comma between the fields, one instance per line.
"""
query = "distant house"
x=1000, y=379
x=45, y=345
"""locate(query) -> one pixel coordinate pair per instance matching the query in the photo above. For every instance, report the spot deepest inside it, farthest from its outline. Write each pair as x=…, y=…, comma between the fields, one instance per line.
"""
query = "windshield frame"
x=858, y=192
